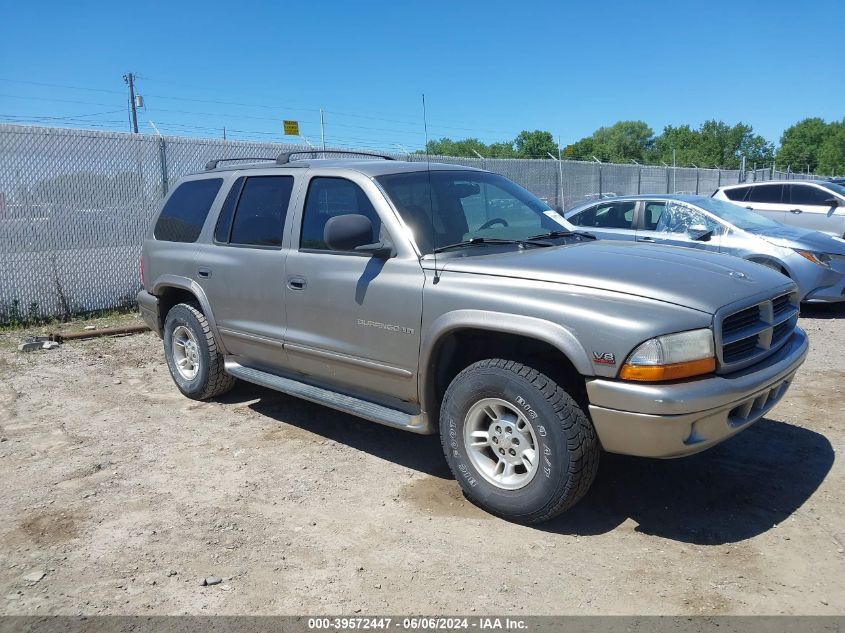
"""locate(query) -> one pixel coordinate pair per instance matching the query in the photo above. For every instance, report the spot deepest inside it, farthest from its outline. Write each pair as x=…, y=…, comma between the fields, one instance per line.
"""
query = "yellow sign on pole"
x=291, y=128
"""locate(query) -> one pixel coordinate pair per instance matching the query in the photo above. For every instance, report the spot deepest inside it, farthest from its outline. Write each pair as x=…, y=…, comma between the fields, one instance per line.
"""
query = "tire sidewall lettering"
x=539, y=414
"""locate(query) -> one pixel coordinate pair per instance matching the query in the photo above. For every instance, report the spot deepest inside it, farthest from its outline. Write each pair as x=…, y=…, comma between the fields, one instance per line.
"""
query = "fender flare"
x=554, y=334
x=186, y=283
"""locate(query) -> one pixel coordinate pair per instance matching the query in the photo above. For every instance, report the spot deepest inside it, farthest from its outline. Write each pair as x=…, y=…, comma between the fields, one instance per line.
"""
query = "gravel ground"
x=120, y=496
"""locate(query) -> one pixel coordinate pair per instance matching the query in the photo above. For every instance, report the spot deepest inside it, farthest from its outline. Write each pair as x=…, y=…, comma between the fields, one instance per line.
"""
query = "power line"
x=433, y=125
x=46, y=85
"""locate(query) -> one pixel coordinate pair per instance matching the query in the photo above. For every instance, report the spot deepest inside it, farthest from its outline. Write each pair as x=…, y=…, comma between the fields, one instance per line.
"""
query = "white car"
x=818, y=205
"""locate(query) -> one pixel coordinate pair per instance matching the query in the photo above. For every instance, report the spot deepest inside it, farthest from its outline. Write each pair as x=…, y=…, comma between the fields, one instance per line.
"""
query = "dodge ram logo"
x=604, y=358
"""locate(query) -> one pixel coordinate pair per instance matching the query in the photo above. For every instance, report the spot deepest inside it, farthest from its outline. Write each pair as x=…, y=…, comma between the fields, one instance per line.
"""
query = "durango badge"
x=604, y=358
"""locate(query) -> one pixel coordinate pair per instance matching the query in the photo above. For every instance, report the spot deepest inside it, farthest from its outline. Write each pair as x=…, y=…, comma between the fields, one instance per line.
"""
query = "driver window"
x=617, y=215
x=486, y=207
x=328, y=197
x=677, y=218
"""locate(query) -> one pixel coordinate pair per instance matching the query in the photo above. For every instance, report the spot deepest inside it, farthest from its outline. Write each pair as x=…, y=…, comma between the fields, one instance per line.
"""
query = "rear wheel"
x=193, y=358
x=517, y=442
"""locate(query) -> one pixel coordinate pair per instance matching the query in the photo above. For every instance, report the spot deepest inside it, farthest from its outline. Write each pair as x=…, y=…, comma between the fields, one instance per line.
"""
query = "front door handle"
x=796, y=211
x=645, y=239
x=297, y=283
x=204, y=272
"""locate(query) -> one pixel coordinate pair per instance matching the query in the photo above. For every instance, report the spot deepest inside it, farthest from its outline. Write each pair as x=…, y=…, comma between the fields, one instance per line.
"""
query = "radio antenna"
x=430, y=193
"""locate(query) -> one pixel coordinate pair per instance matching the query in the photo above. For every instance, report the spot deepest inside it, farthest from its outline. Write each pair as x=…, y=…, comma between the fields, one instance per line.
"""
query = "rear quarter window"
x=736, y=193
x=184, y=214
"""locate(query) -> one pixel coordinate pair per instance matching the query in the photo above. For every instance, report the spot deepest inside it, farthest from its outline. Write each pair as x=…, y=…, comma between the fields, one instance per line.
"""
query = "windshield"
x=835, y=187
x=465, y=205
x=740, y=217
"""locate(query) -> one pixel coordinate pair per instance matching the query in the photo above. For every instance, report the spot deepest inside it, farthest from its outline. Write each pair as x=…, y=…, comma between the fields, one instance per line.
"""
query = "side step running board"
x=341, y=402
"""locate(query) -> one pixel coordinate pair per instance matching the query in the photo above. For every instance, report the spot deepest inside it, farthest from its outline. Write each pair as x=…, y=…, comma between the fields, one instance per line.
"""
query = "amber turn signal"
x=654, y=373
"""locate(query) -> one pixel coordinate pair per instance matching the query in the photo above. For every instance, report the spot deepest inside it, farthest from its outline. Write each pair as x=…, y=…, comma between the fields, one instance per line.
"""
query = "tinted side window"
x=327, y=198
x=737, y=193
x=224, y=220
x=652, y=214
x=614, y=216
x=806, y=194
x=185, y=212
x=766, y=193
x=586, y=218
x=262, y=207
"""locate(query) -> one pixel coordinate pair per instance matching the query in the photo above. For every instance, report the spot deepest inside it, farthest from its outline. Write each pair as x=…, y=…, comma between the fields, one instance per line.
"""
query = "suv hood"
x=700, y=280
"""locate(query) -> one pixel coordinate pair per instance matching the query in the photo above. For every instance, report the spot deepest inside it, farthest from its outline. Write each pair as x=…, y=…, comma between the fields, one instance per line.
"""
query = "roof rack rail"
x=284, y=157
x=212, y=164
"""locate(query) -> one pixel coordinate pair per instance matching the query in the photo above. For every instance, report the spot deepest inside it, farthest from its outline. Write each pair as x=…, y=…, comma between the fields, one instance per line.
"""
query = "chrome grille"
x=748, y=335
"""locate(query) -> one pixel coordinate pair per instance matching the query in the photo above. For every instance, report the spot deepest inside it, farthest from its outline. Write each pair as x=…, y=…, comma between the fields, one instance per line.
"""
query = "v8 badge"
x=604, y=358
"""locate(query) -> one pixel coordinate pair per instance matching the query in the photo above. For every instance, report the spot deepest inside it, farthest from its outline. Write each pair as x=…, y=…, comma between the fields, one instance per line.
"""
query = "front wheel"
x=518, y=444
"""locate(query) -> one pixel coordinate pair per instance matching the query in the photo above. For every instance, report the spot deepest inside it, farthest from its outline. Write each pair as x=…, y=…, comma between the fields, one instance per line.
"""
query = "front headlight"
x=672, y=357
x=822, y=259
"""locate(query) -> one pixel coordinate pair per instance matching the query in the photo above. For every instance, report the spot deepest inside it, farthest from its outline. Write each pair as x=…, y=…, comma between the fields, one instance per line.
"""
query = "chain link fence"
x=75, y=205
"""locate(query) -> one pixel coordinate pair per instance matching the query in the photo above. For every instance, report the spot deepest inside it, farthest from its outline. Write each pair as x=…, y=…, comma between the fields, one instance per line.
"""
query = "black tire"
x=211, y=378
x=563, y=433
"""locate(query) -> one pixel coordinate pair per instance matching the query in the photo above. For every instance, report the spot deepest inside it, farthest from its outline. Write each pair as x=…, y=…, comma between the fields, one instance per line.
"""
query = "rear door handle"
x=204, y=272
x=297, y=283
x=796, y=211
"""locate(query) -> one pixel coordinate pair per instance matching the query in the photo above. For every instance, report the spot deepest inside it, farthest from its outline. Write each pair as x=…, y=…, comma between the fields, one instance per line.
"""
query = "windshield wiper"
x=481, y=241
x=554, y=234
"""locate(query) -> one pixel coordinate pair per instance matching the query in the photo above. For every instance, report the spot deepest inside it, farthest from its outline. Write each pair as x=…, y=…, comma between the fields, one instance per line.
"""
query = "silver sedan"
x=814, y=260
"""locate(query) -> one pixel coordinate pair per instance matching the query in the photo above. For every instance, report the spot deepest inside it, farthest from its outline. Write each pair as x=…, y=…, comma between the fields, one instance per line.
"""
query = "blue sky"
x=488, y=69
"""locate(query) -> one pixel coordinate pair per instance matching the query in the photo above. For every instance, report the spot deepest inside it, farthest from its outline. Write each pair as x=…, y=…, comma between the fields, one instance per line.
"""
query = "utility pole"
x=322, y=131
x=224, y=132
x=559, y=176
x=129, y=78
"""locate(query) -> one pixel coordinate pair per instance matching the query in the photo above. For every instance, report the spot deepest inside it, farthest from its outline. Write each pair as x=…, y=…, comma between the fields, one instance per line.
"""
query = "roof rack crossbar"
x=212, y=164
x=284, y=157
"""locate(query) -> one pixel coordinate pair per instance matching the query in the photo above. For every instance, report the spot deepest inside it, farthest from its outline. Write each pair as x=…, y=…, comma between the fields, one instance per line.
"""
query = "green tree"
x=715, y=143
x=619, y=143
x=832, y=151
x=683, y=140
x=815, y=144
x=801, y=143
x=725, y=145
x=465, y=147
x=505, y=149
x=536, y=144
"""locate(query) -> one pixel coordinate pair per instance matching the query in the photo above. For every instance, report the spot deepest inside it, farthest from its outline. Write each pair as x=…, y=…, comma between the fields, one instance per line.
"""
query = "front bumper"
x=685, y=417
x=148, y=305
x=828, y=294
x=819, y=284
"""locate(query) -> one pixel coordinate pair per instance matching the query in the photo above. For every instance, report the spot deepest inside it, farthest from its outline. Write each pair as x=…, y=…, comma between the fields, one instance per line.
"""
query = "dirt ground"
x=119, y=496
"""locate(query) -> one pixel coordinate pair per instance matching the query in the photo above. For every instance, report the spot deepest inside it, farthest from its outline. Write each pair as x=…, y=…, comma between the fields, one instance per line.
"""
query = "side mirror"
x=831, y=202
x=700, y=233
x=354, y=232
